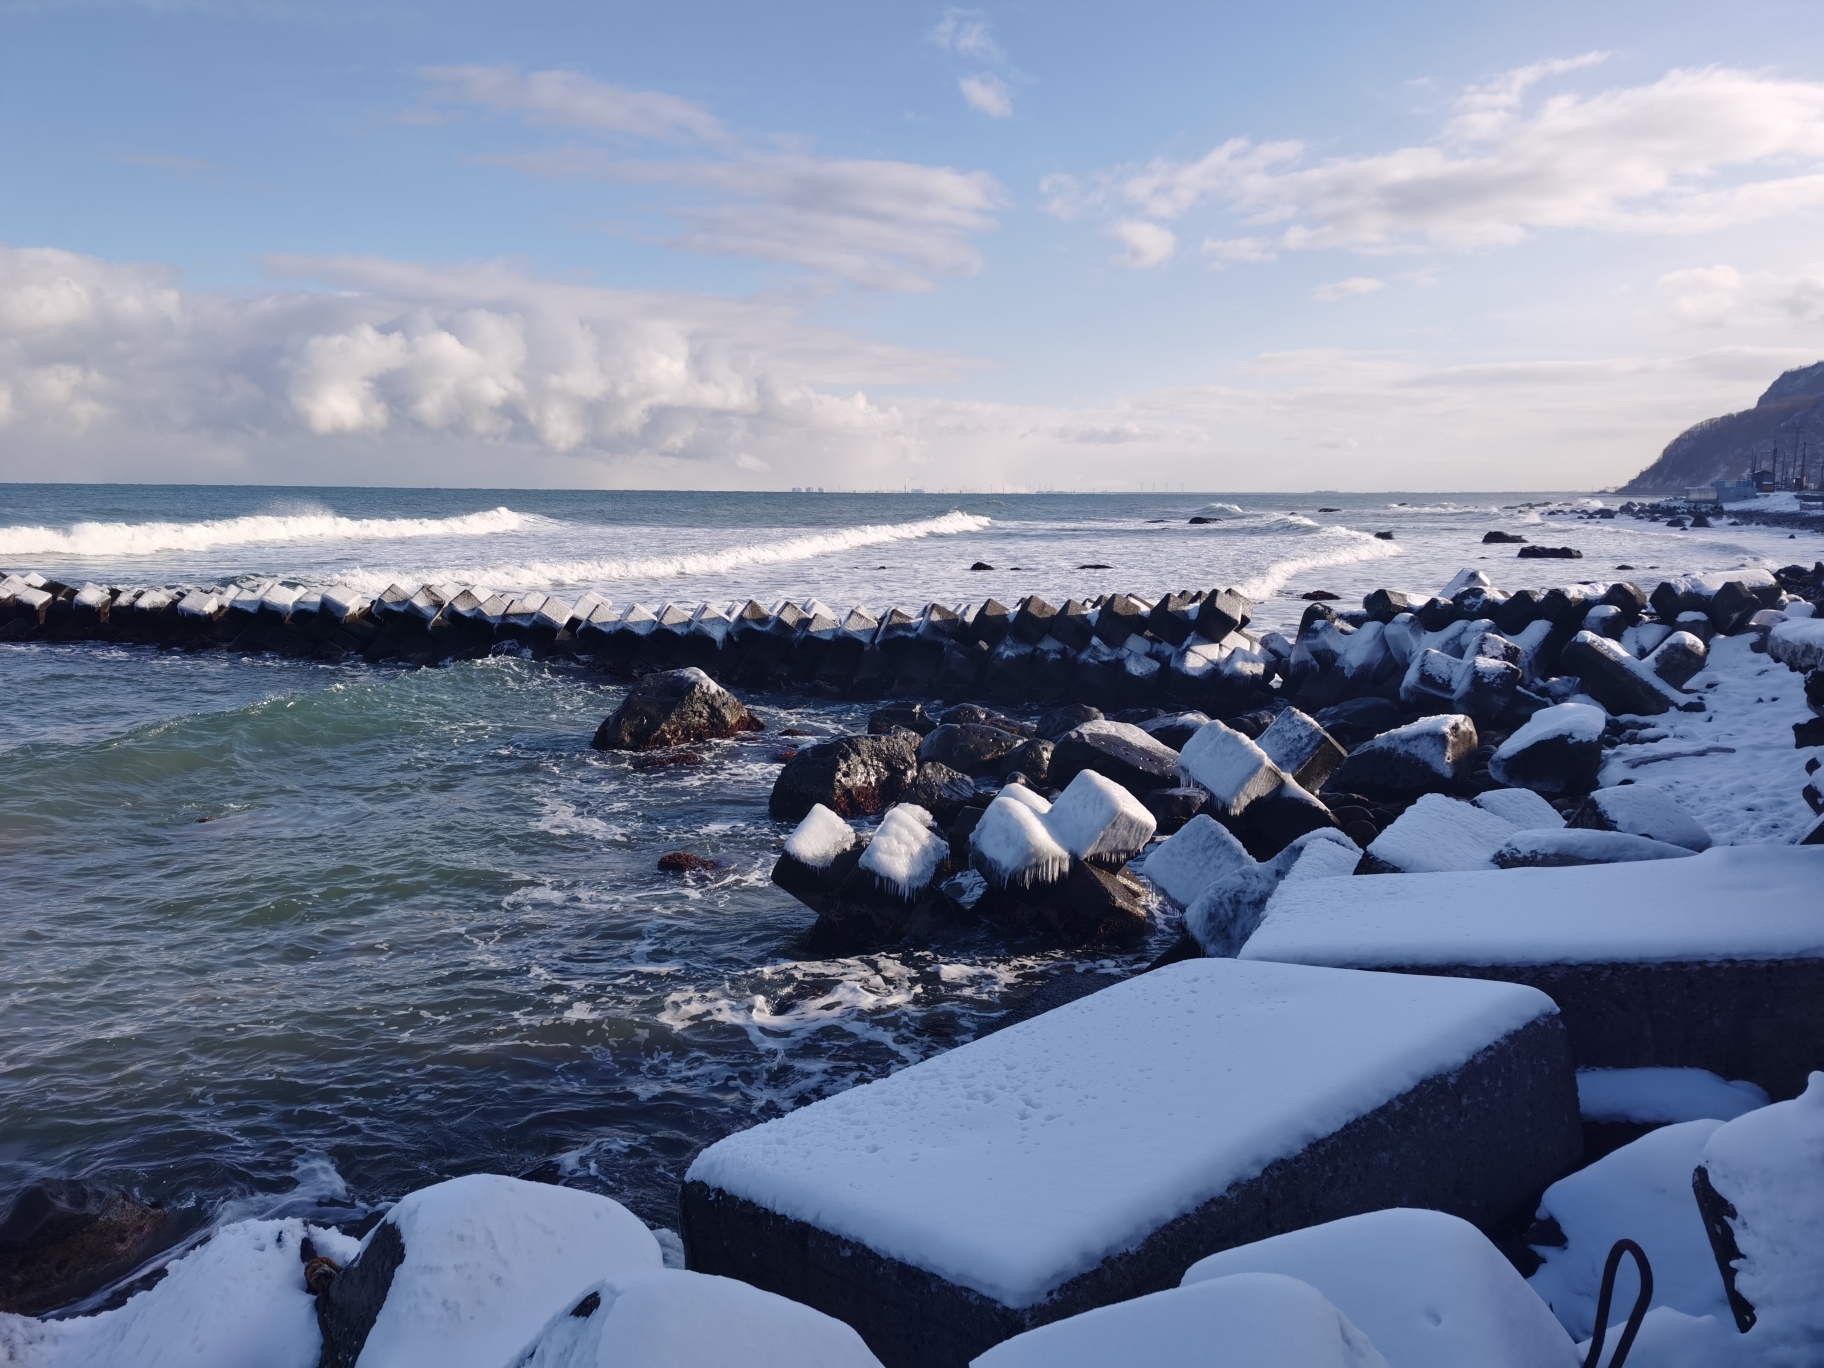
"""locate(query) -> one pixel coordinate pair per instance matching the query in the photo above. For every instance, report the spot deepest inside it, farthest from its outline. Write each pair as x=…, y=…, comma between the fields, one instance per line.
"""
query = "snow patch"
x=819, y=838
x=905, y=851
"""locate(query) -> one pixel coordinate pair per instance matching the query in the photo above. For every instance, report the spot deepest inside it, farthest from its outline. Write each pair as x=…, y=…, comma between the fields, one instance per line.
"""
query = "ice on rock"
x=1011, y=846
x=675, y=1319
x=1438, y=833
x=819, y=838
x=1231, y=767
x=1661, y=1096
x=905, y=851
x=1227, y=912
x=1251, y=1320
x=1427, y=1288
x=1198, y=854
x=1524, y=808
x=489, y=1260
x=1032, y=798
x=1641, y=1192
x=1572, y=846
x=234, y=1301
x=1096, y=819
x=1642, y=810
x=1769, y=1165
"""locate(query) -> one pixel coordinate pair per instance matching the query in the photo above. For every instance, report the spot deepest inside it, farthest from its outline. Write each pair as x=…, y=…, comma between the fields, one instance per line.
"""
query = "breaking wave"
x=1360, y=547
x=550, y=574
x=151, y=538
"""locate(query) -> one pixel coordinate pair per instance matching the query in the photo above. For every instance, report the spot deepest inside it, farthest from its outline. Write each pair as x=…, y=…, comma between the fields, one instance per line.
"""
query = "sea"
x=296, y=938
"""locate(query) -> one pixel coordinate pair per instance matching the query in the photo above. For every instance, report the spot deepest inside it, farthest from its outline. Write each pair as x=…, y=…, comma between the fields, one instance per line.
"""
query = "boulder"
x=1503, y=539
x=1557, y=752
x=1615, y=679
x=1521, y=806
x=1221, y=613
x=853, y=776
x=911, y=716
x=1384, y=605
x=1174, y=729
x=1031, y=759
x=1641, y=810
x=1054, y=724
x=1187, y=863
x=971, y=747
x=1550, y=553
x=1422, y=757
x=63, y=1239
x=1550, y=849
x=1678, y=658
x=675, y=708
x=974, y=714
x=1118, y=751
x=940, y=790
x=1230, y=767
x=1231, y=907
x=1100, y=822
x=1173, y=807
x=1301, y=748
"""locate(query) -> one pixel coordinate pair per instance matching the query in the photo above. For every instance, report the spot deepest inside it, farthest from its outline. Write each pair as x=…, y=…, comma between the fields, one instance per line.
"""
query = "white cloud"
x=1715, y=296
x=1693, y=151
x=1144, y=244
x=1343, y=289
x=568, y=99
x=965, y=31
x=988, y=93
x=1250, y=249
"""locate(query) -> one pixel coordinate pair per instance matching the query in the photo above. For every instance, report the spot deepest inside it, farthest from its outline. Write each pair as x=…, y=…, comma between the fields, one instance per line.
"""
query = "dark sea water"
x=278, y=933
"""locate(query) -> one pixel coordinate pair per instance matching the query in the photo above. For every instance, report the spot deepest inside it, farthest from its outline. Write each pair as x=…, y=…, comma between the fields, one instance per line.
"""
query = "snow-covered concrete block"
x=1678, y=658
x=905, y=852
x=1641, y=810
x=675, y=1319
x=1013, y=848
x=1421, y=757
x=1428, y=1289
x=1798, y=643
x=1561, y=846
x=1616, y=680
x=1250, y=1320
x=464, y=1273
x=1712, y=962
x=1231, y=767
x=1202, y=851
x=1438, y=833
x=1231, y=906
x=818, y=856
x=1301, y=748
x=1521, y=806
x=1095, y=819
x=1118, y=751
x=1557, y=751
x=1043, y=1170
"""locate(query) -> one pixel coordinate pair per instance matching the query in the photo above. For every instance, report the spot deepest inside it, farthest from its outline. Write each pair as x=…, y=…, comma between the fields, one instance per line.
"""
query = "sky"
x=726, y=246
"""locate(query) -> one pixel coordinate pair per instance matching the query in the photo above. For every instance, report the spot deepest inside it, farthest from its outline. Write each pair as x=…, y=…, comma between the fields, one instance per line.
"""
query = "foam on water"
x=123, y=541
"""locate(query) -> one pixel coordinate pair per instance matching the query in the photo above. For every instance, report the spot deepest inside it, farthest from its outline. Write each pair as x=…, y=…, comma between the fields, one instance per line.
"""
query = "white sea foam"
x=607, y=571
x=1358, y=546
x=118, y=539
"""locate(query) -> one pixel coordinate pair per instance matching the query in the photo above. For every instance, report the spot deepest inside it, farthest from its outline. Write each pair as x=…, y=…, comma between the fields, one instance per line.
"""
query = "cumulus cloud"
x=1343, y=289
x=988, y=93
x=568, y=99
x=1143, y=244
x=1693, y=151
x=1715, y=296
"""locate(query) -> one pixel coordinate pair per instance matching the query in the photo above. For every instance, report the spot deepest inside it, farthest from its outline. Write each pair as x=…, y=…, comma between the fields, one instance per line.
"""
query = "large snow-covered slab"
x=1712, y=962
x=1092, y=1153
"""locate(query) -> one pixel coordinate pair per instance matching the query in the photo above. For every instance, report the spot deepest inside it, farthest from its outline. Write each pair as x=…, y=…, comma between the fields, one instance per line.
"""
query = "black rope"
x=1642, y=1300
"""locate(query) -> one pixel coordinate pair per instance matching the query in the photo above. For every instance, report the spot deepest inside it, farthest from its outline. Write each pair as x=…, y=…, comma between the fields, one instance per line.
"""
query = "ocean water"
x=283, y=934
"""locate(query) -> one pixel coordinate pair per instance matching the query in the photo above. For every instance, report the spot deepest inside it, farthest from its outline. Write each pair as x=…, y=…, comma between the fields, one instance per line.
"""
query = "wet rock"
x=1173, y=807
x=911, y=716
x=348, y=1308
x=1174, y=729
x=1118, y=751
x=1032, y=760
x=1222, y=613
x=853, y=776
x=63, y=1240
x=981, y=565
x=975, y=714
x=683, y=862
x=1550, y=553
x=940, y=790
x=878, y=899
x=674, y=708
x=1384, y=605
x=970, y=747
x=1502, y=539
x=1421, y=757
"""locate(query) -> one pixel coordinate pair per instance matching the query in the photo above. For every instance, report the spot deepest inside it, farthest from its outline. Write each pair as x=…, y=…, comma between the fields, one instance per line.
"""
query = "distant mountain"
x=1787, y=424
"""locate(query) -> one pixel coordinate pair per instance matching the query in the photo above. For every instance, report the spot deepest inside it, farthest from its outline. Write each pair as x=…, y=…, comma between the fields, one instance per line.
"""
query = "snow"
x=1467, y=578
x=1169, y=1088
x=488, y=1260
x=674, y=1319
x=236, y=1300
x=1659, y=1096
x=1324, y=859
x=1798, y=643
x=1225, y=914
x=1428, y=1289
x=1011, y=845
x=1769, y=1165
x=1731, y=902
x=819, y=838
x=1733, y=767
x=1251, y=1320
x=1647, y=810
x=1579, y=846
x=1524, y=808
x=1641, y=1192
x=906, y=850
x=1193, y=858
x=1573, y=721
x=1439, y=833
x=1032, y=798
x=1095, y=818
x=1231, y=767
x=1671, y=1339
x=1427, y=741
x=1131, y=735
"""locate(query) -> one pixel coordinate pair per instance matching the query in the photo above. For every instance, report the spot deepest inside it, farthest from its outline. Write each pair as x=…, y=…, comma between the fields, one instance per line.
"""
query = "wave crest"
x=115, y=539
x=1360, y=547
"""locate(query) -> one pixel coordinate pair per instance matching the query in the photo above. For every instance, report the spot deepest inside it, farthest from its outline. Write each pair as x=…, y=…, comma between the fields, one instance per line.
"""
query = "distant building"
x=1705, y=494
x=1734, y=491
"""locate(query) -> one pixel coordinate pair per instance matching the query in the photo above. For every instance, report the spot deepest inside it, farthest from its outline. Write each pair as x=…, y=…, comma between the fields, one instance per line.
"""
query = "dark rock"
x=1814, y=691
x=1550, y=553
x=1089, y=906
x=862, y=915
x=1271, y=822
x=976, y=714
x=675, y=708
x=981, y=565
x=1630, y=598
x=990, y=623
x=1384, y=605
x=1071, y=627
x=940, y=790
x=1202, y=520
x=1383, y=536
x=969, y=747
x=1032, y=623
x=1173, y=807
x=1501, y=538
x=1612, y=677
x=1808, y=733
x=666, y=760
x=1032, y=759
x=64, y=1240
x=1320, y=596
x=911, y=716
x=347, y=1310
x=1126, y=755
x=1719, y=1215
x=1731, y=606
x=1053, y=725
x=853, y=776
x=1252, y=724
x=1518, y=613
x=1559, y=765
x=1421, y=757
x=815, y=885
x=1436, y=614
x=683, y=862
x=960, y=668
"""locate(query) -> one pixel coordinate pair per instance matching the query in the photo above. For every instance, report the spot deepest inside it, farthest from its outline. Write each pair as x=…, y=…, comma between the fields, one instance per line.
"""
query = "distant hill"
x=1787, y=422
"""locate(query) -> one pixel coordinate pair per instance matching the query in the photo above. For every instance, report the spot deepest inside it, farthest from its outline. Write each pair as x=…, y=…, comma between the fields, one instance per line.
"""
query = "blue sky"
x=720, y=246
